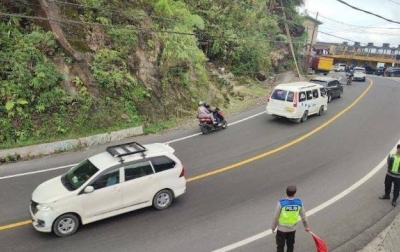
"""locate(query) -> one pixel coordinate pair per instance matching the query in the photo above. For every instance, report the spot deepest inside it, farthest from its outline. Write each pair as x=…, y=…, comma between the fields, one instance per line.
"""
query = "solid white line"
x=310, y=212
x=172, y=141
x=229, y=124
x=34, y=172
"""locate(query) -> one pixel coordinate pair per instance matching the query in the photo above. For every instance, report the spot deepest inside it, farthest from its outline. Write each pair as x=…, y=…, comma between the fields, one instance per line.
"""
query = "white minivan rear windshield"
x=279, y=94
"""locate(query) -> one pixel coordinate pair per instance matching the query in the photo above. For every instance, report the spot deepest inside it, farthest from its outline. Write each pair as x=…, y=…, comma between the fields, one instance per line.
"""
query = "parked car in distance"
x=380, y=71
x=369, y=70
x=339, y=67
x=124, y=178
x=392, y=71
x=334, y=89
x=359, y=73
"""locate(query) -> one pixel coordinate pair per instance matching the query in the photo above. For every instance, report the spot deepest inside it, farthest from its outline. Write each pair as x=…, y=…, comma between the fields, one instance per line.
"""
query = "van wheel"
x=66, y=225
x=304, y=117
x=321, y=111
x=340, y=94
x=162, y=199
x=329, y=98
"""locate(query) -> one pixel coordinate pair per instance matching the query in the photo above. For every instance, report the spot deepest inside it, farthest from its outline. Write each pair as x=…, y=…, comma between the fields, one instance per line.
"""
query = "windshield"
x=279, y=94
x=360, y=70
x=78, y=175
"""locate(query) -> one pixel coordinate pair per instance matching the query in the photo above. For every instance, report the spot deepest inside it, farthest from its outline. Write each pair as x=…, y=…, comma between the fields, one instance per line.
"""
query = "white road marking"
x=34, y=172
x=310, y=212
x=172, y=141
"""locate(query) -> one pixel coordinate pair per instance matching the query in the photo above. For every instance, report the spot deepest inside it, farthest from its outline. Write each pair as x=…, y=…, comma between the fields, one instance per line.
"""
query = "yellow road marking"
x=246, y=161
x=268, y=153
x=14, y=225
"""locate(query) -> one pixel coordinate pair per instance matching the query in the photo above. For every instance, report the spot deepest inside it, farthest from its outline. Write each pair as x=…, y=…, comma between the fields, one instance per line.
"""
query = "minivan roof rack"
x=126, y=149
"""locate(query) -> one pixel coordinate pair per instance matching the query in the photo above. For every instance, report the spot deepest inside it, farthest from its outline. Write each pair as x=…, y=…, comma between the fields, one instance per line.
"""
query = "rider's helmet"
x=201, y=103
x=206, y=105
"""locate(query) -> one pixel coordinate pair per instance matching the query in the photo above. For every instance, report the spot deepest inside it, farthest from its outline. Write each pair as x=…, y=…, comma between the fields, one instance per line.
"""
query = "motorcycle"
x=349, y=79
x=206, y=124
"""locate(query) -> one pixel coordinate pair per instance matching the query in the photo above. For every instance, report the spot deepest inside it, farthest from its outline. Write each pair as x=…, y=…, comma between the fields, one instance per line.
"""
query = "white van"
x=298, y=100
x=124, y=178
x=339, y=67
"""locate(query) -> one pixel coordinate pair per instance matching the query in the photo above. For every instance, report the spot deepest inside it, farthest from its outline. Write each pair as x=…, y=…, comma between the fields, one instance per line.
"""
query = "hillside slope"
x=79, y=67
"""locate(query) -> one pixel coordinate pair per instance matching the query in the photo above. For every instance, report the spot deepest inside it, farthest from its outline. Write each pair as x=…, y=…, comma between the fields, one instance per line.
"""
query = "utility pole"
x=311, y=43
x=290, y=40
x=313, y=33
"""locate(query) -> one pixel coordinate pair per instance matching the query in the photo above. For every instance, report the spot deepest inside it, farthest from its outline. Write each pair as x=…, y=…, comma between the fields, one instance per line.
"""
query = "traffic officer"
x=392, y=176
x=285, y=220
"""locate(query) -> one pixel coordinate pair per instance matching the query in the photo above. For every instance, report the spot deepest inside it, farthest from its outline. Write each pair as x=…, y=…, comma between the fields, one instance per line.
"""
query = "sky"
x=332, y=12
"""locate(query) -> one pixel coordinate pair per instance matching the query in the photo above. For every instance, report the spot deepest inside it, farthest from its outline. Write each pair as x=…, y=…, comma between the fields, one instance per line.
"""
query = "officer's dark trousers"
x=388, y=186
x=281, y=238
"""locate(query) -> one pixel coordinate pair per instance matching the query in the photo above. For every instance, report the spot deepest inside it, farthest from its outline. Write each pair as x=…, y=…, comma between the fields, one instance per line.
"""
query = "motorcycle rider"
x=204, y=112
x=350, y=76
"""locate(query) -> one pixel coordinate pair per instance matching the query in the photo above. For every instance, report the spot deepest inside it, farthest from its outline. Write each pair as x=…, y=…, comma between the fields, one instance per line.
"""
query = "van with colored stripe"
x=297, y=100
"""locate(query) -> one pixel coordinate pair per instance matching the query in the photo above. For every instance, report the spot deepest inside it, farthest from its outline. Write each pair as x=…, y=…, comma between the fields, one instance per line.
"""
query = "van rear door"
x=277, y=101
x=282, y=103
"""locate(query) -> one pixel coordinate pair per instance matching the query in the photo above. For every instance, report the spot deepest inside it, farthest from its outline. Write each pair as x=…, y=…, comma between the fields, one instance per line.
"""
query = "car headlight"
x=44, y=207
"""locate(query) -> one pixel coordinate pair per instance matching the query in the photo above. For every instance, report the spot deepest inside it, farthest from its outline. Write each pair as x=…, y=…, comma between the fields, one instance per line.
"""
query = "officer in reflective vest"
x=392, y=176
x=285, y=220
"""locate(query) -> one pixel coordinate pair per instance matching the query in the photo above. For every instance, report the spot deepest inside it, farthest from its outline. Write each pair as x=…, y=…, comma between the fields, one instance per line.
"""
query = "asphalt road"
x=227, y=207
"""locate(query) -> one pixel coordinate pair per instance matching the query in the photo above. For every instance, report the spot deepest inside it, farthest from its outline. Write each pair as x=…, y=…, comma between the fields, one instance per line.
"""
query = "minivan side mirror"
x=89, y=189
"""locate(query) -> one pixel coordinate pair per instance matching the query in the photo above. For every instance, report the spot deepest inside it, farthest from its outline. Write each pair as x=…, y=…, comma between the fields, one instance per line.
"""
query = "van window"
x=302, y=96
x=309, y=95
x=138, y=170
x=315, y=93
x=323, y=92
x=162, y=163
x=108, y=179
x=279, y=94
x=290, y=96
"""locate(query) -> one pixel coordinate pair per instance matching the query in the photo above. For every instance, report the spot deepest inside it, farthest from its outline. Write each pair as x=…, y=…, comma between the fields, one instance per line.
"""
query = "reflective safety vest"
x=395, y=163
x=290, y=211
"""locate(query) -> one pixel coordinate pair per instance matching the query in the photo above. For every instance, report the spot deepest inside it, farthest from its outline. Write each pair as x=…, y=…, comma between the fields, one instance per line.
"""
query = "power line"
x=339, y=37
x=366, y=27
x=394, y=2
x=370, y=13
x=361, y=32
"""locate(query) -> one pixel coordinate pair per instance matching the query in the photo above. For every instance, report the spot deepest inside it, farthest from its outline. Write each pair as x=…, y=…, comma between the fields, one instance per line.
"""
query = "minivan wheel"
x=304, y=117
x=66, y=225
x=162, y=199
x=321, y=111
x=329, y=98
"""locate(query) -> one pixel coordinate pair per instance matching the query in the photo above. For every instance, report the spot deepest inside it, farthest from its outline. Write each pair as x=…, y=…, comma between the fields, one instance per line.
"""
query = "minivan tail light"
x=182, y=172
x=295, y=99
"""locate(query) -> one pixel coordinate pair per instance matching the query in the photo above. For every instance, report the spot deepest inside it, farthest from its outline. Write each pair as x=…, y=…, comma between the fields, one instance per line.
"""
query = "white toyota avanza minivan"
x=124, y=178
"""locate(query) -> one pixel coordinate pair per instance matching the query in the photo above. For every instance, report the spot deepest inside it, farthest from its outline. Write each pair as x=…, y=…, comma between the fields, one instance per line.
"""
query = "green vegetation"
x=128, y=63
